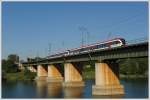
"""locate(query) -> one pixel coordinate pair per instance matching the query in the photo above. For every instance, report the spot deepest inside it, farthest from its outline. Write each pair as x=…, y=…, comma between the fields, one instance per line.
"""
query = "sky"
x=28, y=28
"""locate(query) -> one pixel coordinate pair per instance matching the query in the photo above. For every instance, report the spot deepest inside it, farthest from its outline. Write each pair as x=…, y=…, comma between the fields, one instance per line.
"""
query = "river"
x=31, y=89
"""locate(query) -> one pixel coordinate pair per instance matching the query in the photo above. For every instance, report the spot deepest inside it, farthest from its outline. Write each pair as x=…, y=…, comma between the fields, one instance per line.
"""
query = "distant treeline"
x=136, y=66
x=34, y=59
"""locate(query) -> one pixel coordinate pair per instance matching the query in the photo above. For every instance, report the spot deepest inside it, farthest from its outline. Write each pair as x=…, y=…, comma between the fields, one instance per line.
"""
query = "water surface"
x=40, y=89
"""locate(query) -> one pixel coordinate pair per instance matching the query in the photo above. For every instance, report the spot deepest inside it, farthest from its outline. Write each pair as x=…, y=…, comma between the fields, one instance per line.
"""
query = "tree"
x=10, y=65
x=14, y=58
x=29, y=75
x=136, y=66
x=4, y=67
x=143, y=65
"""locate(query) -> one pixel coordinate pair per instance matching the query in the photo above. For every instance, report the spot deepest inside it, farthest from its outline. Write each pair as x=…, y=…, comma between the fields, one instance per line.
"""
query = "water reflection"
x=40, y=88
x=111, y=96
x=73, y=92
x=54, y=90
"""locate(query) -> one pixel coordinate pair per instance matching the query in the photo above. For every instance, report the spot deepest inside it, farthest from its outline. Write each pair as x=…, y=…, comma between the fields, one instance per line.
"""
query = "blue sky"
x=28, y=27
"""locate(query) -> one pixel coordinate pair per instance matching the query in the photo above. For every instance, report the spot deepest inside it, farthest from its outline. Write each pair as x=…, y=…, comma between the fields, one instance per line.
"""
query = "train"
x=113, y=43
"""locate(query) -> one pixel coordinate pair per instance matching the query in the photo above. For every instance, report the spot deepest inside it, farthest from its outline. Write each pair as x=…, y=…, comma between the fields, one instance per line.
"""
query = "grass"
x=19, y=76
x=12, y=76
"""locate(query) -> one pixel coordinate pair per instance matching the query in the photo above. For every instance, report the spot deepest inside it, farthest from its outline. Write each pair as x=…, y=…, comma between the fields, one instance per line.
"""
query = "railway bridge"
x=68, y=69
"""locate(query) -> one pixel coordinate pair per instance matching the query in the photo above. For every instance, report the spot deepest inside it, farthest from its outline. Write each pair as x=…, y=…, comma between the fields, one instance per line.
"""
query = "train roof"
x=86, y=46
x=95, y=44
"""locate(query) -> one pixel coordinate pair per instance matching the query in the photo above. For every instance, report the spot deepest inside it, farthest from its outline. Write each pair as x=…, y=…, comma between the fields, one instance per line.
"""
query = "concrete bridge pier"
x=41, y=72
x=32, y=68
x=54, y=73
x=107, y=80
x=73, y=75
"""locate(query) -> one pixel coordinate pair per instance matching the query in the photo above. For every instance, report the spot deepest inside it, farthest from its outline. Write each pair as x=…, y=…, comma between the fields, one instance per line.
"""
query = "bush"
x=9, y=66
x=137, y=66
x=29, y=75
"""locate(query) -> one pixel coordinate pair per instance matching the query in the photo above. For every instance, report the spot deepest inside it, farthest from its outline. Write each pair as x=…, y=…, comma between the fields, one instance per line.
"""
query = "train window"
x=123, y=41
x=81, y=49
x=101, y=46
x=104, y=45
x=84, y=49
x=115, y=42
x=107, y=45
x=87, y=48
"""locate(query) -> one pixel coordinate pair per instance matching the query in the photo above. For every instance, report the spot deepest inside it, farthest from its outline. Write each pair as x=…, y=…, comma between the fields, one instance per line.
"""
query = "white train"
x=117, y=42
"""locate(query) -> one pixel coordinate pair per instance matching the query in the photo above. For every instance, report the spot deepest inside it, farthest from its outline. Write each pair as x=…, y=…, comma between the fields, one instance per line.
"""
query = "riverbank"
x=86, y=75
x=14, y=76
x=19, y=76
x=91, y=75
x=122, y=76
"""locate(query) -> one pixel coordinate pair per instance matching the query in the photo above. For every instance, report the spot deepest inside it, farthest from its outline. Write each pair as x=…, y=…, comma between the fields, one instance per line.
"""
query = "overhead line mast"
x=82, y=29
x=49, y=49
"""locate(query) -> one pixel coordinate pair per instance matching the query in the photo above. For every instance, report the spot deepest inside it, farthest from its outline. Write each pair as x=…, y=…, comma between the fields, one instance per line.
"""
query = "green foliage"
x=11, y=72
x=29, y=75
x=9, y=65
x=20, y=76
x=89, y=71
x=88, y=74
x=13, y=57
x=4, y=67
x=137, y=66
x=11, y=76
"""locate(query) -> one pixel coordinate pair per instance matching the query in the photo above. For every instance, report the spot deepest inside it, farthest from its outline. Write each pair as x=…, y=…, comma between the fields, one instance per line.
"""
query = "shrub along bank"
x=23, y=75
